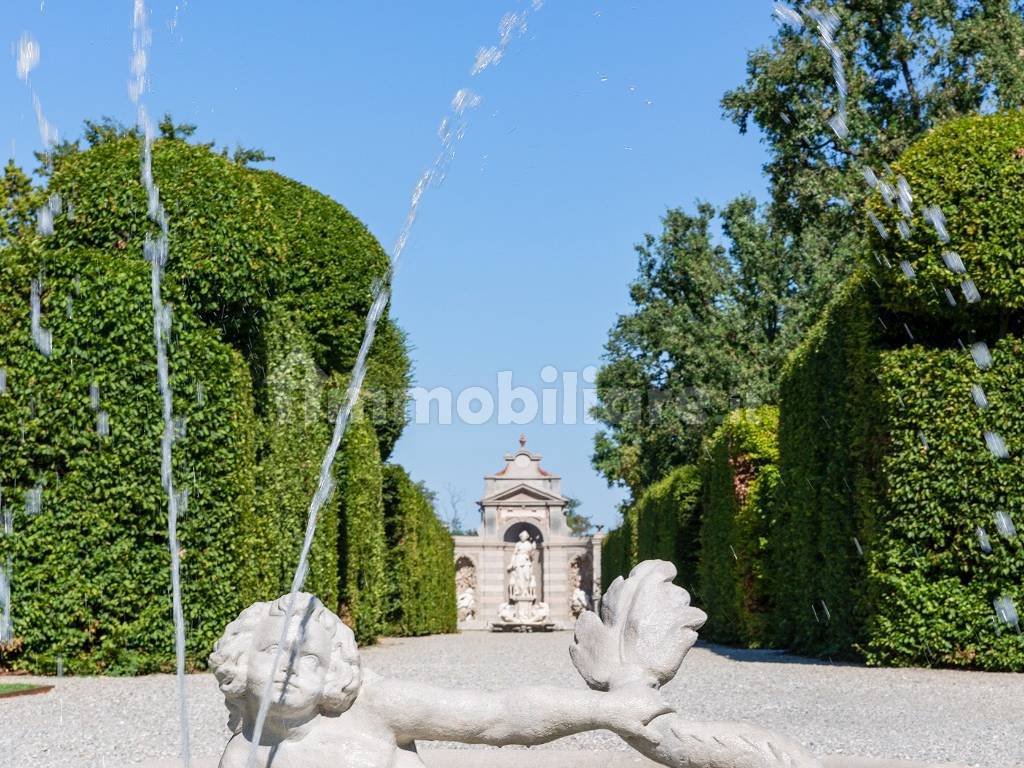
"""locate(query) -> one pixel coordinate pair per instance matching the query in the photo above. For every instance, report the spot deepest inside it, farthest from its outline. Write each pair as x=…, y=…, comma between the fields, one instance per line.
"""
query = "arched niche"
x=512, y=533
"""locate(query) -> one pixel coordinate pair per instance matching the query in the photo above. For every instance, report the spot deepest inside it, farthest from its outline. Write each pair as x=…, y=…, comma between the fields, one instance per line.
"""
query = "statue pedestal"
x=523, y=614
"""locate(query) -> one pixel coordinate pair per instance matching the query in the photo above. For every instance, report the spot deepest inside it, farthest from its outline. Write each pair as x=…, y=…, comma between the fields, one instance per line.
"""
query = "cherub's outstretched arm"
x=529, y=715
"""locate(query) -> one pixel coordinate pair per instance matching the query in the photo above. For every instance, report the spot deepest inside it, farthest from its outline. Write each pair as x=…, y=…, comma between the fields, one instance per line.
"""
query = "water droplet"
x=981, y=354
x=908, y=269
x=3, y=381
x=980, y=399
x=28, y=56
x=103, y=424
x=1006, y=611
x=1004, y=524
x=934, y=214
x=34, y=500
x=983, y=540
x=970, y=291
x=786, y=15
x=996, y=445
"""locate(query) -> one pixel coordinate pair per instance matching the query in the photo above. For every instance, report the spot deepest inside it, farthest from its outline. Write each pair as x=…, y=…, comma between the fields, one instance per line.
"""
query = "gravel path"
x=938, y=715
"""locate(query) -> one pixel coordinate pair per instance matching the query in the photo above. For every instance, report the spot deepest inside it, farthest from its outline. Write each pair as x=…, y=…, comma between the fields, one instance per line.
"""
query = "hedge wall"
x=420, y=567
x=740, y=487
x=668, y=523
x=92, y=569
x=617, y=554
x=294, y=434
x=931, y=580
x=362, y=549
x=270, y=283
x=829, y=442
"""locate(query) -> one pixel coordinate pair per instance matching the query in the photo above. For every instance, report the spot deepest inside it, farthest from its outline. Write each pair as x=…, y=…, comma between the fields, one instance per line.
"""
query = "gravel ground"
x=939, y=715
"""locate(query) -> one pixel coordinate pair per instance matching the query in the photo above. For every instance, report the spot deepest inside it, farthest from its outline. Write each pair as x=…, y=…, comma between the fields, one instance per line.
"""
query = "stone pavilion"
x=543, y=579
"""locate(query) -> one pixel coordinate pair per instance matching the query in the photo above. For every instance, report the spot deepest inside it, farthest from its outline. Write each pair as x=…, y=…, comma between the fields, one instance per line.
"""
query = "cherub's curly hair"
x=230, y=658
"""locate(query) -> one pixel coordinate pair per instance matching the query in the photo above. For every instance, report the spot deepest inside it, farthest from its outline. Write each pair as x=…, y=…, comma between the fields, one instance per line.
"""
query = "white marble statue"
x=579, y=602
x=522, y=582
x=329, y=712
x=465, y=604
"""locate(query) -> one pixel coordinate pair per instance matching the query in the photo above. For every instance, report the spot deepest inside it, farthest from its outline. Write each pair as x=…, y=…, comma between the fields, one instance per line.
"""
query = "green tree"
x=17, y=208
x=579, y=524
x=712, y=323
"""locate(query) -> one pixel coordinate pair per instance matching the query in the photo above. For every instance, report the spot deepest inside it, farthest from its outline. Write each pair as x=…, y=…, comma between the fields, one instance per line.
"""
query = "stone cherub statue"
x=329, y=712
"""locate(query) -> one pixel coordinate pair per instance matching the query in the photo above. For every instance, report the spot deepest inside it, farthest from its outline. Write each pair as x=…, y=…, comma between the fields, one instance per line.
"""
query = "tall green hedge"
x=740, y=488
x=92, y=569
x=830, y=437
x=420, y=569
x=931, y=581
x=667, y=522
x=362, y=548
x=295, y=433
x=270, y=283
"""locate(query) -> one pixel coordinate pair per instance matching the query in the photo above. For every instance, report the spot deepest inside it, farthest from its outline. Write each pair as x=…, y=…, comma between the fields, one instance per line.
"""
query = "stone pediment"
x=523, y=494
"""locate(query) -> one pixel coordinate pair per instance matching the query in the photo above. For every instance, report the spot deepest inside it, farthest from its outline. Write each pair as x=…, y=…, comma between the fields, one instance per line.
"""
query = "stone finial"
x=522, y=440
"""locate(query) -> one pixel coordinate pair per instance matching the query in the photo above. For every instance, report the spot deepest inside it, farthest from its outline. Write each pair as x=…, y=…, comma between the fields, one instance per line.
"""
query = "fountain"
x=326, y=711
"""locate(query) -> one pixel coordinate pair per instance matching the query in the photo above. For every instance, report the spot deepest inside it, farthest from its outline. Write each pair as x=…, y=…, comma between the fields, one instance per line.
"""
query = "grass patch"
x=13, y=689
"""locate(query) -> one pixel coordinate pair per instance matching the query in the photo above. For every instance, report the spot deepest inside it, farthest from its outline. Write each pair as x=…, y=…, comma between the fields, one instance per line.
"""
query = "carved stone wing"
x=647, y=625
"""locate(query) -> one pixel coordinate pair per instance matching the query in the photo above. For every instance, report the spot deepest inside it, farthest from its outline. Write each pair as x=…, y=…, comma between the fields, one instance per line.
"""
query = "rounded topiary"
x=972, y=169
x=227, y=250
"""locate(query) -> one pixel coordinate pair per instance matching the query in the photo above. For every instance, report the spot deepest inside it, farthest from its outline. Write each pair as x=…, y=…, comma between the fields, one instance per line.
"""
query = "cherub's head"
x=318, y=668
x=524, y=536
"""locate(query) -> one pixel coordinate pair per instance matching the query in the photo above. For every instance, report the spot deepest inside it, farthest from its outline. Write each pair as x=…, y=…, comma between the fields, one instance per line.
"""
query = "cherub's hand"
x=633, y=708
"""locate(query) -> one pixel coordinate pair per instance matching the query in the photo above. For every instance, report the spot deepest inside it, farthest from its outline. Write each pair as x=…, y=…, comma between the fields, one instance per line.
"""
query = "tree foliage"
x=908, y=66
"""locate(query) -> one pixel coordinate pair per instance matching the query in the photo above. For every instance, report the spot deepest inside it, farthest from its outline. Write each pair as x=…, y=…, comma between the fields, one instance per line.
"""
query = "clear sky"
x=599, y=117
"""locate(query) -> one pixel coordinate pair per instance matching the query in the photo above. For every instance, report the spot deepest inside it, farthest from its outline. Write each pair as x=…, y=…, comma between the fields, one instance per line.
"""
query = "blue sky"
x=599, y=117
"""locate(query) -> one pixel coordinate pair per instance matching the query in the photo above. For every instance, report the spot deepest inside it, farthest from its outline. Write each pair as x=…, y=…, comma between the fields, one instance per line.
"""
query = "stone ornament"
x=646, y=628
x=329, y=712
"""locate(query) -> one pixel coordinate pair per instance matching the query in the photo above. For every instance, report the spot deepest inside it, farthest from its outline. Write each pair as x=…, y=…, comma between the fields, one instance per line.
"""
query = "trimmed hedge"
x=932, y=583
x=92, y=569
x=668, y=523
x=420, y=567
x=331, y=265
x=362, y=549
x=294, y=435
x=617, y=555
x=973, y=169
x=740, y=485
x=270, y=283
x=829, y=441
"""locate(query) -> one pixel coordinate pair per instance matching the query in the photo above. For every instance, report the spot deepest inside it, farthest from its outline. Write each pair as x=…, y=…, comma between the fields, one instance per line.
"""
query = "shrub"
x=420, y=568
x=91, y=570
x=668, y=522
x=829, y=440
x=294, y=436
x=362, y=549
x=973, y=169
x=616, y=558
x=932, y=582
x=332, y=262
x=270, y=283
x=740, y=480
